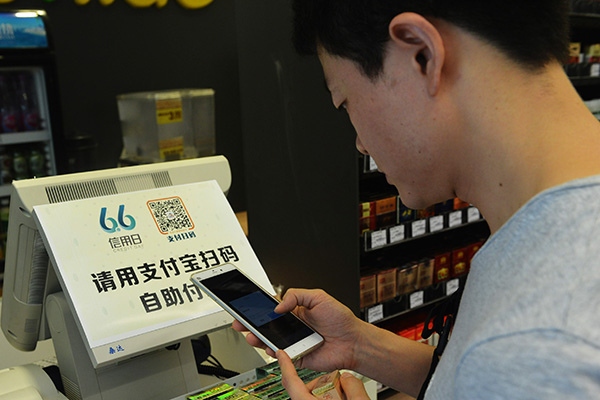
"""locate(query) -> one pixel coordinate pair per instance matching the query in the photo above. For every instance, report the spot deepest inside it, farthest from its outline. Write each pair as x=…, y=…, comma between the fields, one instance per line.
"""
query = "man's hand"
x=339, y=327
x=352, y=387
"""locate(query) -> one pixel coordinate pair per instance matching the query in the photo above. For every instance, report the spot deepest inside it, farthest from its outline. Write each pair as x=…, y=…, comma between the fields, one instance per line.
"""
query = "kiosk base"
x=160, y=374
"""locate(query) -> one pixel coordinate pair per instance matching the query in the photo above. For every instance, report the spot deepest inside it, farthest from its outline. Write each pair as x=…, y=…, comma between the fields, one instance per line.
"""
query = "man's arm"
x=392, y=360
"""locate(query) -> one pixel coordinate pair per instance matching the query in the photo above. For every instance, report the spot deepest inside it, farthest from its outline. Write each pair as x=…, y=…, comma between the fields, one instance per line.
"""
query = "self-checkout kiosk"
x=100, y=262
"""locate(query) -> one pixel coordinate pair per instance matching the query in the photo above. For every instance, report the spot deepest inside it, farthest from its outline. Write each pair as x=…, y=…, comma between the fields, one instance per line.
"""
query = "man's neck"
x=537, y=135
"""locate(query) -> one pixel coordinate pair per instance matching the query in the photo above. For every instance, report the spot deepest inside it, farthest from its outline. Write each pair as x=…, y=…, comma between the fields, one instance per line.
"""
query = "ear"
x=414, y=34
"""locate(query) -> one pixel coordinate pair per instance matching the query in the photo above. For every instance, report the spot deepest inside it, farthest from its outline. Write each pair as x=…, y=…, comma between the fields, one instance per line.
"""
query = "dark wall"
x=301, y=160
x=103, y=51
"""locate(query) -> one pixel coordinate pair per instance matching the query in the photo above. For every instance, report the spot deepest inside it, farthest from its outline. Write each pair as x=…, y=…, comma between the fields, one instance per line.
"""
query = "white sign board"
x=125, y=263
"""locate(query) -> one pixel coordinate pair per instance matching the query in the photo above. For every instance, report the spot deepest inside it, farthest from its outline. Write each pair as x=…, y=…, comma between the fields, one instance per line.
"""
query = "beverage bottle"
x=9, y=111
x=6, y=164
x=30, y=116
x=20, y=165
x=37, y=163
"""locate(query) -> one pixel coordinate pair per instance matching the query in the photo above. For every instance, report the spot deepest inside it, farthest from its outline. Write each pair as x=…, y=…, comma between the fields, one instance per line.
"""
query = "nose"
x=360, y=147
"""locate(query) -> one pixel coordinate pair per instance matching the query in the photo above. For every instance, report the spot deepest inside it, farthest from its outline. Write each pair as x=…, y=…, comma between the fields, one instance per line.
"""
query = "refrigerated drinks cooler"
x=30, y=120
x=29, y=109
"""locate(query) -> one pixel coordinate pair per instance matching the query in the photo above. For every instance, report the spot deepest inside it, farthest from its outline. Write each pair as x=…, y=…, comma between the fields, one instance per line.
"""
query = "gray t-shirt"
x=529, y=321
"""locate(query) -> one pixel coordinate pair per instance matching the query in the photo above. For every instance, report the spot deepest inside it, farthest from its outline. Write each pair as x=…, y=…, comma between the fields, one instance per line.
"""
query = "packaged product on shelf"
x=368, y=290
x=444, y=207
x=367, y=218
x=441, y=269
x=459, y=262
x=574, y=53
x=425, y=274
x=426, y=212
x=386, y=285
x=385, y=210
x=472, y=249
x=407, y=279
x=459, y=204
x=404, y=213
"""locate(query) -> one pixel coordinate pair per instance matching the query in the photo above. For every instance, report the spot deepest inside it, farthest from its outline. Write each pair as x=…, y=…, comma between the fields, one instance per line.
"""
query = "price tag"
x=436, y=223
x=372, y=165
x=473, y=214
x=451, y=286
x=378, y=239
x=171, y=149
x=169, y=110
x=375, y=313
x=397, y=233
x=595, y=70
x=419, y=227
x=455, y=219
x=416, y=299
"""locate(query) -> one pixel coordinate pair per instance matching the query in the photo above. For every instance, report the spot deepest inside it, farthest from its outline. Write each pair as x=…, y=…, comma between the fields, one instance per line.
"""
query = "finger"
x=254, y=341
x=289, y=377
x=237, y=326
x=297, y=297
x=310, y=386
x=288, y=303
x=353, y=387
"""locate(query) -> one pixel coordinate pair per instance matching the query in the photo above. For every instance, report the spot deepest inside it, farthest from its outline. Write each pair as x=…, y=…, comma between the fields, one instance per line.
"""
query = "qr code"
x=170, y=215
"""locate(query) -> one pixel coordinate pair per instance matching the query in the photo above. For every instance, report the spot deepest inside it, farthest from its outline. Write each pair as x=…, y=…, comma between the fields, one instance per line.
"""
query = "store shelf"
x=411, y=302
x=579, y=82
x=24, y=137
x=418, y=229
x=585, y=20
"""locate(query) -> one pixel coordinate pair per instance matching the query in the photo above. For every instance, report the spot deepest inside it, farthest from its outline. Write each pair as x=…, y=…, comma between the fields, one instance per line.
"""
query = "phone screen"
x=249, y=301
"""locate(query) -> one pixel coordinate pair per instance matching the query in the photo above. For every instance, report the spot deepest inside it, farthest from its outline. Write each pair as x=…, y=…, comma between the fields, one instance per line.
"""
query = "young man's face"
x=392, y=124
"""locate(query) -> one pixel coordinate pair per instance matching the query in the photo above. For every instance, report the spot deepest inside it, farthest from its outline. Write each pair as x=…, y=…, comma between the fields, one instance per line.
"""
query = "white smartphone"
x=250, y=304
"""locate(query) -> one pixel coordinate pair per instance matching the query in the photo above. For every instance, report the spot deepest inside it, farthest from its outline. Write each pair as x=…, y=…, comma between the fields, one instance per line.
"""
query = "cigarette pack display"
x=442, y=265
x=366, y=217
x=426, y=212
x=386, y=205
x=444, y=207
x=368, y=290
x=385, y=209
x=386, y=285
x=459, y=204
x=367, y=224
x=459, y=262
x=407, y=279
x=425, y=274
x=472, y=249
x=366, y=209
x=405, y=214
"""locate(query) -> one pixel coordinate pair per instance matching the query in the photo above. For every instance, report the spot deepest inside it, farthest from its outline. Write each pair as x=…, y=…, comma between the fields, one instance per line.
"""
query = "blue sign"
x=22, y=30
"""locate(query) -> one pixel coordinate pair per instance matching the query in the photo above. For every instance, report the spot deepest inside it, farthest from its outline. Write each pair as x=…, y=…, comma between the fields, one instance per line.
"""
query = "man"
x=469, y=99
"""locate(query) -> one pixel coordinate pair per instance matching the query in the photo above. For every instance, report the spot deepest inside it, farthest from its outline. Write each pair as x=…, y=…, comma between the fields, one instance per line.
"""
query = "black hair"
x=531, y=32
